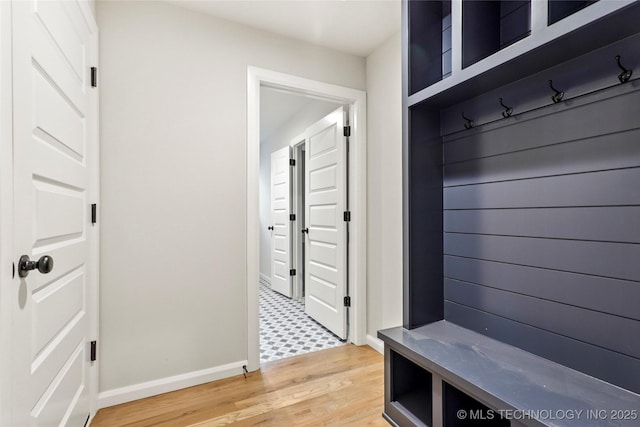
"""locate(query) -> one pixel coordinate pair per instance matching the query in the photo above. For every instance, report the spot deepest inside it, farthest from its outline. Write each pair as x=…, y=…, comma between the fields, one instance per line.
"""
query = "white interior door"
x=54, y=144
x=326, y=196
x=280, y=210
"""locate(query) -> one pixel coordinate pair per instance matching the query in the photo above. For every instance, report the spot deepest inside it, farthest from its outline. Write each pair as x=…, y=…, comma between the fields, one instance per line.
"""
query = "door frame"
x=298, y=209
x=7, y=255
x=357, y=250
x=93, y=230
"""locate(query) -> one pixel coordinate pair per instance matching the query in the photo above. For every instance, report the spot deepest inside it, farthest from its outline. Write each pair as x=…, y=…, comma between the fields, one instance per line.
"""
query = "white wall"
x=311, y=113
x=92, y=6
x=173, y=183
x=384, y=194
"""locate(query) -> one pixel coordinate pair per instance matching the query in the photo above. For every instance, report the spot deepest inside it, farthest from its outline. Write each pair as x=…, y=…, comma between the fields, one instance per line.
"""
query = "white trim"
x=93, y=194
x=165, y=385
x=375, y=343
x=265, y=278
x=257, y=77
x=300, y=139
x=298, y=210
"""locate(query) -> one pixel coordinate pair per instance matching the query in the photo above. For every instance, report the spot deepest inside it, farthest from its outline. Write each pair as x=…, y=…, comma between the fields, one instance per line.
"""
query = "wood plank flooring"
x=342, y=386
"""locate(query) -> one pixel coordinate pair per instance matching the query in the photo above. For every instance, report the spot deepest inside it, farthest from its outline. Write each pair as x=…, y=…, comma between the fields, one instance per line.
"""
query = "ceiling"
x=357, y=27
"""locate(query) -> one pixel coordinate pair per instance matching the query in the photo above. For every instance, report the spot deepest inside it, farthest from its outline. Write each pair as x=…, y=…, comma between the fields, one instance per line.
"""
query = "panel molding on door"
x=281, y=232
x=55, y=152
x=325, y=245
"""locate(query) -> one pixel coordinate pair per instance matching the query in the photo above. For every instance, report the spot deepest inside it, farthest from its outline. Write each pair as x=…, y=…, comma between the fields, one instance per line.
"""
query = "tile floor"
x=285, y=329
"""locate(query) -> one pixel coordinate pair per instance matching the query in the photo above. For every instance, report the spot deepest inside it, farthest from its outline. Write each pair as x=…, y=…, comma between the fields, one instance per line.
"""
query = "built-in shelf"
x=488, y=63
x=519, y=212
x=430, y=43
x=560, y=9
x=480, y=374
x=412, y=388
x=489, y=26
x=462, y=410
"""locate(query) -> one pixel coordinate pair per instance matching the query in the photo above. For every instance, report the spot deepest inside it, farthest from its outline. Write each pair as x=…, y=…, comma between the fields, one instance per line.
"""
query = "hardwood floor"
x=342, y=386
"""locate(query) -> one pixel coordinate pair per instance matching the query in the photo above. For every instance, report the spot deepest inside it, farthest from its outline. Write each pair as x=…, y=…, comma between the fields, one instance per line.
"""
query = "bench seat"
x=528, y=389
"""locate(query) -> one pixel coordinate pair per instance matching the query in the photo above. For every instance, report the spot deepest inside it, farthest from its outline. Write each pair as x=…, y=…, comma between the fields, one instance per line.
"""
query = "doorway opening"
x=355, y=170
x=294, y=318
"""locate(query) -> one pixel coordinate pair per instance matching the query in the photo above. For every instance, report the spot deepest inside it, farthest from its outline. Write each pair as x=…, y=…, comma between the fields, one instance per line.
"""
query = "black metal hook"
x=557, y=96
x=469, y=123
x=508, y=111
x=625, y=75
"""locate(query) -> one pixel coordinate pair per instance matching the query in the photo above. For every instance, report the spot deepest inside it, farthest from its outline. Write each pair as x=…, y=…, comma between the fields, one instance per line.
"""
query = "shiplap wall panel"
x=542, y=232
x=602, y=223
x=616, y=260
x=602, y=294
x=603, y=152
x=574, y=322
x=606, y=188
x=605, y=112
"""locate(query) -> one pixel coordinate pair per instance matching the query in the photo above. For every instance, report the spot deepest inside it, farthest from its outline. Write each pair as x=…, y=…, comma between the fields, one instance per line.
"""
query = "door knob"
x=270, y=227
x=305, y=230
x=25, y=265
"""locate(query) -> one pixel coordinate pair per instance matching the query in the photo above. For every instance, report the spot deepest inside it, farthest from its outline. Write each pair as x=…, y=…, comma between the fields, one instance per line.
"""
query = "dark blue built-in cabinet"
x=521, y=139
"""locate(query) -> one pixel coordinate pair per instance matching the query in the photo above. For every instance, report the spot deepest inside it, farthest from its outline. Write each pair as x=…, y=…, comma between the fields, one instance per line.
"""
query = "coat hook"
x=557, y=96
x=507, y=110
x=469, y=123
x=625, y=75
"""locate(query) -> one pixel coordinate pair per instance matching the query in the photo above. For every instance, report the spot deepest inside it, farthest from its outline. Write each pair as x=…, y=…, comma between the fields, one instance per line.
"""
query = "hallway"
x=341, y=386
x=286, y=330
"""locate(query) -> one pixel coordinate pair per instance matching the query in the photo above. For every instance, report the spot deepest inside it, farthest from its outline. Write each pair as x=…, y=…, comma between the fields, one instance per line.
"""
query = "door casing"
x=297, y=238
x=356, y=99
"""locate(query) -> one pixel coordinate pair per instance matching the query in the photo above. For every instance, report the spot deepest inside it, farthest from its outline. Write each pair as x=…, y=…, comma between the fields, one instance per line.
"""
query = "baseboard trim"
x=165, y=385
x=375, y=343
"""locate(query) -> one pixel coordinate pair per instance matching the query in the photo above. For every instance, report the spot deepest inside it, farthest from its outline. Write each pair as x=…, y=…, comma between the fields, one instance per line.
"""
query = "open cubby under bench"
x=443, y=375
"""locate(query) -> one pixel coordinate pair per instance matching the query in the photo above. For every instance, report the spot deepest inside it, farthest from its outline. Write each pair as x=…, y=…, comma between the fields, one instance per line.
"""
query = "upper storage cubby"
x=489, y=26
x=429, y=43
x=560, y=9
x=482, y=45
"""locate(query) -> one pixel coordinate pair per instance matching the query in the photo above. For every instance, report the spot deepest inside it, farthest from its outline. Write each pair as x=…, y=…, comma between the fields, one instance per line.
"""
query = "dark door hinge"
x=346, y=131
x=292, y=272
x=94, y=77
x=292, y=162
x=347, y=216
x=94, y=213
x=94, y=345
x=347, y=301
x=292, y=217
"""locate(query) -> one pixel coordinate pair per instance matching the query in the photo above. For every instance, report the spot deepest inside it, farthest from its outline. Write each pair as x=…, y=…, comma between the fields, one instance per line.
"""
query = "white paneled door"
x=326, y=201
x=55, y=143
x=280, y=222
